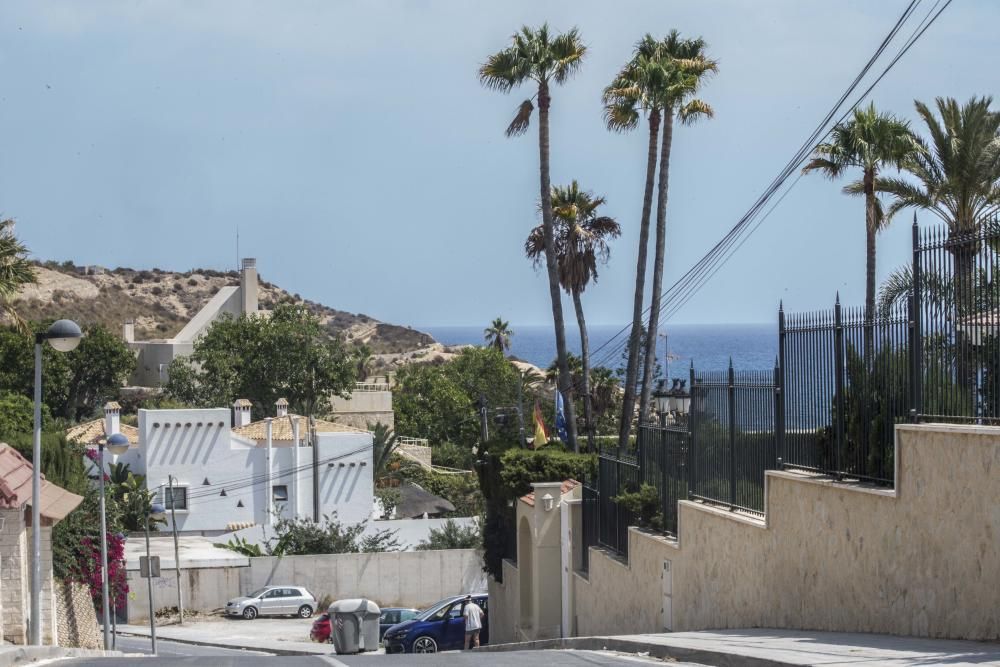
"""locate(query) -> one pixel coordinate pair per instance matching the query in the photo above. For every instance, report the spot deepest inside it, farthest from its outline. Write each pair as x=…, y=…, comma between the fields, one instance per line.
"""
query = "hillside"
x=161, y=303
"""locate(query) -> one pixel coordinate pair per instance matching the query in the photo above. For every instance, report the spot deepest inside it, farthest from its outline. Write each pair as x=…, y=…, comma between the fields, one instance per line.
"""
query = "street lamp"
x=663, y=401
x=63, y=336
x=156, y=513
x=117, y=444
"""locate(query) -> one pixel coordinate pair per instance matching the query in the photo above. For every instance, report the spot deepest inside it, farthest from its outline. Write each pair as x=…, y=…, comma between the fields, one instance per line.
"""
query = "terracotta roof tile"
x=567, y=486
x=15, y=487
x=281, y=428
x=92, y=433
x=242, y=403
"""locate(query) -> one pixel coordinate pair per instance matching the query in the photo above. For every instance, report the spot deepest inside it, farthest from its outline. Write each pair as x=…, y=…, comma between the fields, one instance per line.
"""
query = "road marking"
x=331, y=660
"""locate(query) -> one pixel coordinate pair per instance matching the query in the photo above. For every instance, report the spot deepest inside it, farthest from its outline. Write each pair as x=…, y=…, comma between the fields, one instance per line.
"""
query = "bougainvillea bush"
x=87, y=568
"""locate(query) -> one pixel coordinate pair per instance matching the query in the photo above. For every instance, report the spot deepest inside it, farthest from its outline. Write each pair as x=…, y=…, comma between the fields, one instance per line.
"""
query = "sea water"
x=708, y=346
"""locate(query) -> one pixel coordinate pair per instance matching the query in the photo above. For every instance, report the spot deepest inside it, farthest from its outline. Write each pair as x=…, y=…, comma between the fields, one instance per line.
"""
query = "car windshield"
x=257, y=593
x=433, y=609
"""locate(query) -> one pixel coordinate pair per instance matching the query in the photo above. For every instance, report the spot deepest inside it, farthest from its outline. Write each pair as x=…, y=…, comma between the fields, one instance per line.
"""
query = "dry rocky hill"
x=161, y=303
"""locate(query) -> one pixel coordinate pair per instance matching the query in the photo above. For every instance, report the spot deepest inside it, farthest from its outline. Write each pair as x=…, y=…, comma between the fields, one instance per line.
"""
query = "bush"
x=156, y=291
x=452, y=536
x=644, y=506
x=450, y=455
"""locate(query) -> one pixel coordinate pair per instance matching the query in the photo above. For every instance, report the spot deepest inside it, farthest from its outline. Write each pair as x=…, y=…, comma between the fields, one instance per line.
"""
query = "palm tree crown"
x=958, y=173
x=15, y=272
x=498, y=335
x=581, y=236
x=534, y=55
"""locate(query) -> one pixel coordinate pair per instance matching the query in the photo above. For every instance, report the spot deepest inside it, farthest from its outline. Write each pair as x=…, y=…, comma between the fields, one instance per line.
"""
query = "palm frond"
x=519, y=125
x=693, y=110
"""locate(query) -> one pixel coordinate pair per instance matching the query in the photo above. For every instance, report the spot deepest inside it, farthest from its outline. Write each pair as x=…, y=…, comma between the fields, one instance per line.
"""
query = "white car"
x=273, y=601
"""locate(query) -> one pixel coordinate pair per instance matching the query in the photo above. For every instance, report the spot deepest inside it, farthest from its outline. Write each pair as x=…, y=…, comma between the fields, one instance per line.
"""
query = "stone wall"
x=14, y=576
x=400, y=578
x=922, y=560
x=76, y=619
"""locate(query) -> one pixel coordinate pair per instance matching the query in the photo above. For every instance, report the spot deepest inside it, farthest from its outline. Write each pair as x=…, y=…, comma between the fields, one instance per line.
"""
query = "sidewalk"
x=278, y=636
x=781, y=648
x=11, y=655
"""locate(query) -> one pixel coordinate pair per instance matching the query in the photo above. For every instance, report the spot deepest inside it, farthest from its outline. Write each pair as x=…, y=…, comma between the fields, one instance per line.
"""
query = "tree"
x=658, y=81
x=452, y=536
x=543, y=58
x=384, y=445
x=76, y=383
x=16, y=271
x=581, y=242
x=287, y=355
x=302, y=537
x=871, y=141
x=498, y=334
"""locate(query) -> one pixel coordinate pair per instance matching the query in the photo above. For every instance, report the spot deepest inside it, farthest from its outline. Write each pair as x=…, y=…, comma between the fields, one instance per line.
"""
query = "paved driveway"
x=261, y=634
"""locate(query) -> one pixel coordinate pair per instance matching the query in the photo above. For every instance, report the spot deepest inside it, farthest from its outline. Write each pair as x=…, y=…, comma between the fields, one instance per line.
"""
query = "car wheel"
x=425, y=645
x=250, y=613
x=305, y=611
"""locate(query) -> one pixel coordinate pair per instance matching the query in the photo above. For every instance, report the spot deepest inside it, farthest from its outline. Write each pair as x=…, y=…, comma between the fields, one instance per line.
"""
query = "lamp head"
x=157, y=512
x=662, y=397
x=117, y=444
x=64, y=335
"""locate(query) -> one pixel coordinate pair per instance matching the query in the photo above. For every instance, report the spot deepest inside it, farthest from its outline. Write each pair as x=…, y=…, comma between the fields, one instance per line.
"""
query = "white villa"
x=230, y=477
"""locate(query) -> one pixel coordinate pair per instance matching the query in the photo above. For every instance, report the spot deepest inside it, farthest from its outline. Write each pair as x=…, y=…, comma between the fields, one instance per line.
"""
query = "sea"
x=708, y=346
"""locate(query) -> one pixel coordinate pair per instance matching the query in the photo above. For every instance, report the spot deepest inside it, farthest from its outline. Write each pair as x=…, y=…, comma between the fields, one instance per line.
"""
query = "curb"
x=198, y=642
x=25, y=655
x=653, y=649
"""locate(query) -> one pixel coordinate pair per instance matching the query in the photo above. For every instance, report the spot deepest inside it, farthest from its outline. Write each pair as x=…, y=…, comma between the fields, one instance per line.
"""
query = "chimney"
x=241, y=412
x=128, y=331
x=281, y=407
x=248, y=285
x=112, y=418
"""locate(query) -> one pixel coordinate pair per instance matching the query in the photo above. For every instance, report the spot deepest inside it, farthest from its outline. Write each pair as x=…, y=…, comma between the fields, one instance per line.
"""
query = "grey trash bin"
x=354, y=624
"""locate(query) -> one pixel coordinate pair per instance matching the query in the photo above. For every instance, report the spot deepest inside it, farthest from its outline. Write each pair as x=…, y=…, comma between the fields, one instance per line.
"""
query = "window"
x=407, y=615
x=176, y=498
x=279, y=494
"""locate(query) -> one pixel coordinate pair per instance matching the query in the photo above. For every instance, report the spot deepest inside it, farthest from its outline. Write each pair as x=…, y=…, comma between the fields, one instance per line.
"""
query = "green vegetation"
x=498, y=334
x=644, y=505
x=303, y=537
x=452, y=536
x=16, y=271
x=287, y=355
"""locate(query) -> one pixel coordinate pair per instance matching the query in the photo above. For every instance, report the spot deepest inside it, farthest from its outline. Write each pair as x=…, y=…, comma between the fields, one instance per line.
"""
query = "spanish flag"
x=541, y=437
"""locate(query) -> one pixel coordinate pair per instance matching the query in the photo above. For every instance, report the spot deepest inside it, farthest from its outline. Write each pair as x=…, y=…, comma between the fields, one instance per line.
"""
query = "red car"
x=321, y=629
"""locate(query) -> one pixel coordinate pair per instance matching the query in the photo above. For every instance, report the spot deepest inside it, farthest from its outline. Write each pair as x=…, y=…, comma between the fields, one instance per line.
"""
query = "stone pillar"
x=547, y=560
x=15, y=574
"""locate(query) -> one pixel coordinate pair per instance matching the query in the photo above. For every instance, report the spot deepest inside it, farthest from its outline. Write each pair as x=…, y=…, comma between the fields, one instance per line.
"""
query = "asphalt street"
x=459, y=659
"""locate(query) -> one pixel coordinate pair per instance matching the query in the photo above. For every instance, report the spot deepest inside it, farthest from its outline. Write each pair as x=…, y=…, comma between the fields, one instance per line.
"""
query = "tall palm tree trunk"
x=565, y=381
x=588, y=412
x=658, y=260
x=632, y=367
x=871, y=230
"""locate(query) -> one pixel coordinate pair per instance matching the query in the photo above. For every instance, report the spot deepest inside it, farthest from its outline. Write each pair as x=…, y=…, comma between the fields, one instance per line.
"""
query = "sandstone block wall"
x=921, y=560
x=76, y=619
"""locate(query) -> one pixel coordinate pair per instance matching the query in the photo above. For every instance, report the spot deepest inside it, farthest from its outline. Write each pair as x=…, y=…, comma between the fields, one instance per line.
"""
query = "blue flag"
x=561, y=418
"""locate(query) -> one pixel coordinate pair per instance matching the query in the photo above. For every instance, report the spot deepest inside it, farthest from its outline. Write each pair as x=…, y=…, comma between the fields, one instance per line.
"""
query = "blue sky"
x=366, y=168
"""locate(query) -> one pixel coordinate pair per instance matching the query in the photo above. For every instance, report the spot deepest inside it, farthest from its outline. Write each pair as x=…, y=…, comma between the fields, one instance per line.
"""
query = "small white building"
x=226, y=478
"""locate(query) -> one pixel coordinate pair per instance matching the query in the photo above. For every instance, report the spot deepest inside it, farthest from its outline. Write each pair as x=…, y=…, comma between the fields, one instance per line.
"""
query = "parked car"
x=322, y=629
x=440, y=627
x=273, y=601
x=392, y=615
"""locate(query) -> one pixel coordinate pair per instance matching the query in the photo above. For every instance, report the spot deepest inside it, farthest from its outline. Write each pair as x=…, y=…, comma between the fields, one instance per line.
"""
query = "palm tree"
x=660, y=81
x=385, y=442
x=581, y=242
x=498, y=335
x=958, y=174
x=15, y=272
x=536, y=55
x=870, y=141
x=958, y=180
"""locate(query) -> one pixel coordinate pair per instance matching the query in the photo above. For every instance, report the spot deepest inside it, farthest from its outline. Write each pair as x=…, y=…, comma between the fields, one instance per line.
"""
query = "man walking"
x=473, y=622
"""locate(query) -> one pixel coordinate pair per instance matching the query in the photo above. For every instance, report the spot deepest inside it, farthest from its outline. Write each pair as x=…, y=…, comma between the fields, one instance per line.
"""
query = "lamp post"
x=663, y=400
x=117, y=444
x=63, y=336
x=156, y=513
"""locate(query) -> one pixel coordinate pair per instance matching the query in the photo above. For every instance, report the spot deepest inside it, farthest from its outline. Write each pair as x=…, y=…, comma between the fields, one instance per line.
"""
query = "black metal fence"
x=843, y=379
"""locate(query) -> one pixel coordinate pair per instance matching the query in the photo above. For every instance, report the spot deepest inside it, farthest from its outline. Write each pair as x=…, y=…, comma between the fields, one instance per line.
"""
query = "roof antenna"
x=237, y=248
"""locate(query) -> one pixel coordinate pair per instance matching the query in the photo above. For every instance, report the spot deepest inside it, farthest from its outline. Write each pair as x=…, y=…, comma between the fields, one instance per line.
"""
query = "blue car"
x=440, y=627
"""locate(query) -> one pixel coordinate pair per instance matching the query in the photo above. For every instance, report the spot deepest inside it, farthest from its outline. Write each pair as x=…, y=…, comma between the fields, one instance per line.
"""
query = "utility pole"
x=315, y=467
x=520, y=413
x=177, y=557
x=484, y=431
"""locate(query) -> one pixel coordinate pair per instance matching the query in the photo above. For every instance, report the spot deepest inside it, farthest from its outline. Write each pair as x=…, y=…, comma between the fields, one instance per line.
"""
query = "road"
x=511, y=659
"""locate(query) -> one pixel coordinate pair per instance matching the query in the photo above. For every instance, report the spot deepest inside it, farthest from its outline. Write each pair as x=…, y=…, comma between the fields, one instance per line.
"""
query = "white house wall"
x=195, y=448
